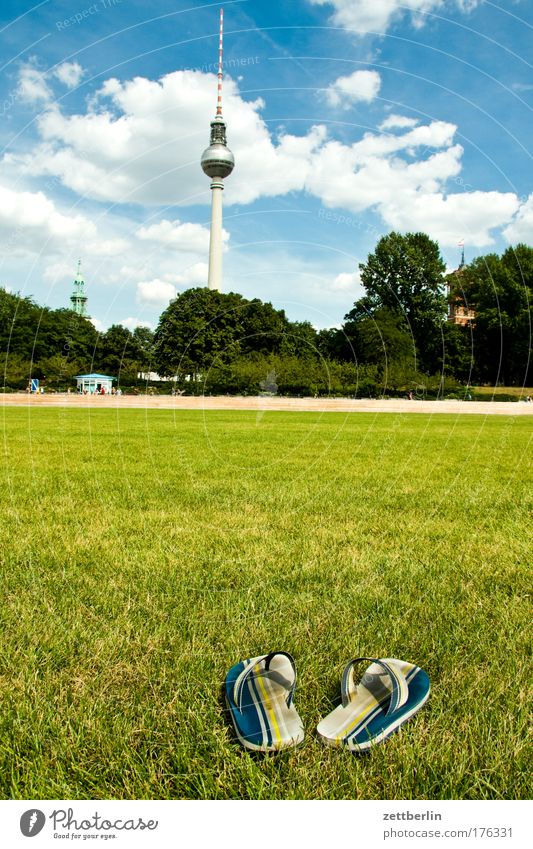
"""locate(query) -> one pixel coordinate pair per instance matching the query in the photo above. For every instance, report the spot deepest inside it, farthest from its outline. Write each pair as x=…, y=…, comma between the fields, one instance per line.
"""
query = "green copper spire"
x=78, y=297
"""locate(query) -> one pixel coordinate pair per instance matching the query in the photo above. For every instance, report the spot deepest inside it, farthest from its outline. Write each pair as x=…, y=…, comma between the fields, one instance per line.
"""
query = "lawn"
x=145, y=552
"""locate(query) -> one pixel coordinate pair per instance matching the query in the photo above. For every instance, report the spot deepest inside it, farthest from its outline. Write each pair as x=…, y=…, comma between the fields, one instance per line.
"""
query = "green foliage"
x=37, y=333
x=15, y=370
x=197, y=328
x=500, y=289
x=57, y=371
x=204, y=329
x=394, y=338
x=404, y=276
x=380, y=336
x=300, y=340
x=143, y=347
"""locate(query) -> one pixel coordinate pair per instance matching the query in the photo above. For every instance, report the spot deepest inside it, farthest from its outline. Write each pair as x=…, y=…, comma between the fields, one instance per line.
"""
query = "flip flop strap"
x=400, y=688
x=238, y=688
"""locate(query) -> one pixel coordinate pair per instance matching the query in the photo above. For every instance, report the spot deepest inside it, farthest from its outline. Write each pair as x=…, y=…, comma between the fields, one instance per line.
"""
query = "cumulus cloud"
x=194, y=275
x=346, y=281
x=107, y=247
x=448, y=217
x=397, y=122
x=363, y=16
x=140, y=141
x=69, y=73
x=521, y=227
x=175, y=235
x=361, y=86
x=31, y=223
x=404, y=177
x=155, y=292
x=32, y=86
x=132, y=323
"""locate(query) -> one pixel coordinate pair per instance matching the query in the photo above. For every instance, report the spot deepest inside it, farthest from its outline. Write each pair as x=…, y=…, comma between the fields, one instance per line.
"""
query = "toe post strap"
x=399, y=689
x=254, y=666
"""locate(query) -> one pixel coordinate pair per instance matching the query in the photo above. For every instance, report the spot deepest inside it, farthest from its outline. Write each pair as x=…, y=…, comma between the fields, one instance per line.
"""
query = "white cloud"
x=175, y=235
x=69, y=73
x=346, y=281
x=354, y=88
x=194, y=275
x=399, y=122
x=59, y=271
x=521, y=227
x=99, y=325
x=448, y=218
x=107, y=247
x=155, y=292
x=31, y=223
x=132, y=323
x=365, y=16
x=403, y=177
x=141, y=141
x=32, y=85
x=145, y=142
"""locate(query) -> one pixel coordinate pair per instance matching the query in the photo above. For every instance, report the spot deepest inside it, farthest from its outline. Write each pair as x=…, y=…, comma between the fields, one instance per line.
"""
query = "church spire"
x=78, y=298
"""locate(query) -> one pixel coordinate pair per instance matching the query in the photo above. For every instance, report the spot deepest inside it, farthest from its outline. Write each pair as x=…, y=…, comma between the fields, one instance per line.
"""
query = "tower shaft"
x=214, y=280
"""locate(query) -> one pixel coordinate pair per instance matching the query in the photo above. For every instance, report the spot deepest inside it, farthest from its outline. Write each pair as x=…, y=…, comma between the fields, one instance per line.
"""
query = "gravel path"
x=334, y=405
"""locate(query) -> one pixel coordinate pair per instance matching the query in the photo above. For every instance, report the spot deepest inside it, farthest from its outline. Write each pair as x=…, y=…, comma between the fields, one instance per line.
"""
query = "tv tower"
x=217, y=162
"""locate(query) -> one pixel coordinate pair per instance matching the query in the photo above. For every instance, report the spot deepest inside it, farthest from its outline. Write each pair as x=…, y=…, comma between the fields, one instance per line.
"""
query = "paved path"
x=334, y=405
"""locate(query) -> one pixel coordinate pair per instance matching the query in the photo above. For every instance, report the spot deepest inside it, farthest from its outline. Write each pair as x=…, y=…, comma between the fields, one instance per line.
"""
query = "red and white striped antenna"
x=221, y=36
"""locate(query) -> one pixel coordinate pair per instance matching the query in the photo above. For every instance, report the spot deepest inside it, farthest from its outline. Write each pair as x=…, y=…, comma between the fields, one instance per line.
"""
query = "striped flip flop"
x=389, y=693
x=259, y=694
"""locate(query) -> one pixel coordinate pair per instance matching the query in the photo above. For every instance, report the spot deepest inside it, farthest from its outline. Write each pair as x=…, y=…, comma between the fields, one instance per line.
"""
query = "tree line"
x=395, y=338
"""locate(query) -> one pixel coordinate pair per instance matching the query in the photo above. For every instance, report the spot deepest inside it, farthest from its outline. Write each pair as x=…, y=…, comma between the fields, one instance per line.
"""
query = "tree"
x=37, y=333
x=143, y=347
x=57, y=370
x=299, y=340
x=457, y=357
x=500, y=290
x=333, y=344
x=263, y=327
x=380, y=336
x=114, y=346
x=201, y=327
x=15, y=370
x=404, y=275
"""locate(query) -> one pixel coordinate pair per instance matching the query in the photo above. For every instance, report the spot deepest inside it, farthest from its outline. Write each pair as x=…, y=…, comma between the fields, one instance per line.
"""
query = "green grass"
x=500, y=393
x=145, y=552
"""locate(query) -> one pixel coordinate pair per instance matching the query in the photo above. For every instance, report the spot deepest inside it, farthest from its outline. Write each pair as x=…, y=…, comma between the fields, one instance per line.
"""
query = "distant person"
x=410, y=396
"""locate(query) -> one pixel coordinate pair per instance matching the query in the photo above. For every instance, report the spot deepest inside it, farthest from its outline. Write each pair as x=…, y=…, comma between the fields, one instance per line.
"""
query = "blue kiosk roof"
x=94, y=377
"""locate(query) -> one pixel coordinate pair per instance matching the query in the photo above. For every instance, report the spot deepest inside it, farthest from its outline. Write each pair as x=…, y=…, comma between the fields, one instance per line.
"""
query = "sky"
x=347, y=119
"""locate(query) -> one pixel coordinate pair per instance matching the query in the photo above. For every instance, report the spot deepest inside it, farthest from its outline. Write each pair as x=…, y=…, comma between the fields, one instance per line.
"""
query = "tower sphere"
x=217, y=161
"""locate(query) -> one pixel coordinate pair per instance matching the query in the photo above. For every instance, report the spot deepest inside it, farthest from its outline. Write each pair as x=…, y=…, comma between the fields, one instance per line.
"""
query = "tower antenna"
x=220, y=49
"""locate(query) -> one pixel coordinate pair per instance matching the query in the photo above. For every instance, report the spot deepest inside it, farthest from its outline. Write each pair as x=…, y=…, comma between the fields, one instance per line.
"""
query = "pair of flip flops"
x=260, y=697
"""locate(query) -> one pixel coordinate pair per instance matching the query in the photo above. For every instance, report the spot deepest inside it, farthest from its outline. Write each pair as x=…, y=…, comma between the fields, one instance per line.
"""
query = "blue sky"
x=347, y=119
